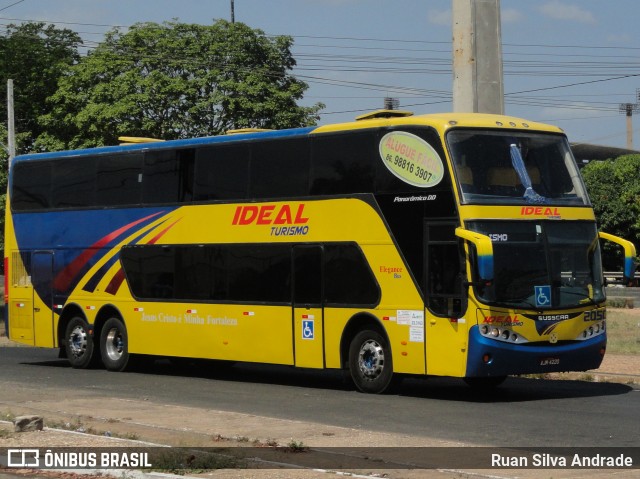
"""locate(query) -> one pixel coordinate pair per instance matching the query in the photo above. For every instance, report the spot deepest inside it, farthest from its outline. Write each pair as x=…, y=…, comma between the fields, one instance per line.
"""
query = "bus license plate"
x=549, y=361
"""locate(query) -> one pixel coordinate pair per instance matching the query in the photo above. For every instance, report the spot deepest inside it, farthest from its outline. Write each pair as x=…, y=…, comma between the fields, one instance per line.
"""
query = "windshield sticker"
x=543, y=295
x=411, y=159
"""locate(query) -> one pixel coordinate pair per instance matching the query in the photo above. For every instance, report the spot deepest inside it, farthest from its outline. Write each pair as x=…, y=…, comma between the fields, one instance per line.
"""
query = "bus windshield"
x=543, y=264
x=515, y=168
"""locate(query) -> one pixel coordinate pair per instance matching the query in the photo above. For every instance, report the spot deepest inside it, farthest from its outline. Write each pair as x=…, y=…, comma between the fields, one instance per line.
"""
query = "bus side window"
x=168, y=176
x=444, y=271
x=279, y=168
x=119, y=180
x=31, y=186
x=222, y=173
x=343, y=163
x=74, y=183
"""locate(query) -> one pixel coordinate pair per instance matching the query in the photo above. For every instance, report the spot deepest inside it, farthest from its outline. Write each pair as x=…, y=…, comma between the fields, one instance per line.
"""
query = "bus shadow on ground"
x=513, y=390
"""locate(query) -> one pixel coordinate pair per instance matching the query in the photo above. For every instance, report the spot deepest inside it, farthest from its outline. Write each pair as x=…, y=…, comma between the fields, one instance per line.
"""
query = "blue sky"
x=566, y=62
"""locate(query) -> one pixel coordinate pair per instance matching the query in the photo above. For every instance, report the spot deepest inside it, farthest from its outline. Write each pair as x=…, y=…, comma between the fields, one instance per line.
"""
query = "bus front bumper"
x=491, y=358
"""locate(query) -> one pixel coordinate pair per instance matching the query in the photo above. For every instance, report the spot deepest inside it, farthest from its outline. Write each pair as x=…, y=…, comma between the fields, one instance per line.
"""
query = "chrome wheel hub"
x=114, y=345
x=371, y=359
x=78, y=341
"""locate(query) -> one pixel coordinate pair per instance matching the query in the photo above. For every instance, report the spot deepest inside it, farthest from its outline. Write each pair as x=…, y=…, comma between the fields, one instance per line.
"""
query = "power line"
x=9, y=6
x=574, y=84
x=519, y=61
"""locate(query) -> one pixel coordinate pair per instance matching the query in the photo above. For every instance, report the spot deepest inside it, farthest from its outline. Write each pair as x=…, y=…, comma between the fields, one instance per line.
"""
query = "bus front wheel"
x=370, y=362
x=78, y=343
x=114, y=346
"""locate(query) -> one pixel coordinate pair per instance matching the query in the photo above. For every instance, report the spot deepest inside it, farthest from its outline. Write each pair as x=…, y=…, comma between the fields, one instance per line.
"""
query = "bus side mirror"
x=629, y=255
x=484, y=249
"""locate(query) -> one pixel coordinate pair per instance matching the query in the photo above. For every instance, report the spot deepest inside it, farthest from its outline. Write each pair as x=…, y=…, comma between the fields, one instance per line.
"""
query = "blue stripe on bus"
x=71, y=234
x=93, y=282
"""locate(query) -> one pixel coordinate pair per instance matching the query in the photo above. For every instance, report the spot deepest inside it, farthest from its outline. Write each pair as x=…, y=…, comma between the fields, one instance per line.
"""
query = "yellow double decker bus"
x=456, y=245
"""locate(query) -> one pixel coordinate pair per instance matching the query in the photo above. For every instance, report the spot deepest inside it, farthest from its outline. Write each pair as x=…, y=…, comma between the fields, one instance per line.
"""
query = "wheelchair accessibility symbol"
x=307, y=329
x=543, y=295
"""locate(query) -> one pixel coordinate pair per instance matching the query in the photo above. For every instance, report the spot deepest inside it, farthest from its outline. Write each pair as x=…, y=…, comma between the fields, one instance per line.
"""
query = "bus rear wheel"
x=114, y=346
x=78, y=343
x=370, y=362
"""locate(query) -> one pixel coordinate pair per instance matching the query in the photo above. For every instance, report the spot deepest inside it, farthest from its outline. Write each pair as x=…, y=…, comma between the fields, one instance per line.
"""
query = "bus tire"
x=78, y=343
x=114, y=345
x=370, y=362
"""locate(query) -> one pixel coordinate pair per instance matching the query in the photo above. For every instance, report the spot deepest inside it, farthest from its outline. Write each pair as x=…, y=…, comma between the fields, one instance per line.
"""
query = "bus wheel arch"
x=366, y=352
x=114, y=341
x=76, y=338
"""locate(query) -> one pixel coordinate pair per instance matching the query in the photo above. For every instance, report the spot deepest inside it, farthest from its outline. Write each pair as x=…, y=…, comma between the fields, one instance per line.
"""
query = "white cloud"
x=563, y=11
x=440, y=17
x=444, y=18
x=620, y=38
x=510, y=15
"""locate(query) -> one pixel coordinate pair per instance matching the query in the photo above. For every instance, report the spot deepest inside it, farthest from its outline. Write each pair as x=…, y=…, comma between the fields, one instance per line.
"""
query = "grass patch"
x=620, y=302
x=193, y=461
x=296, y=446
x=623, y=331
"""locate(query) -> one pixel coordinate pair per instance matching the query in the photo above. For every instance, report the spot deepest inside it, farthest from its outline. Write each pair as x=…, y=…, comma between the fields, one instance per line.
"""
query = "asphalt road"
x=522, y=412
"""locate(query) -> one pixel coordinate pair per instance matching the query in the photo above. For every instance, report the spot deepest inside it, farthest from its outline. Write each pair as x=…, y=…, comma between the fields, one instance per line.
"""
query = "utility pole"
x=477, y=57
x=628, y=109
x=233, y=12
x=11, y=129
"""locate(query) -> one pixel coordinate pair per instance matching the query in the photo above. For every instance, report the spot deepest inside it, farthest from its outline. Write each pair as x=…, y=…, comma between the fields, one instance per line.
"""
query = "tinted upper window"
x=324, y=164
x=344, y=163
x=168, y=176
x=280, y=168
x=74, y=183
x=119, y=180
x=222, y=173
x=31, y=185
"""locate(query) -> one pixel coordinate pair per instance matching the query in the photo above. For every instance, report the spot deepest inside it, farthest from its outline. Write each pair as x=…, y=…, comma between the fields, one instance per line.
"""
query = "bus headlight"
x=502, y=334
x=592, y=331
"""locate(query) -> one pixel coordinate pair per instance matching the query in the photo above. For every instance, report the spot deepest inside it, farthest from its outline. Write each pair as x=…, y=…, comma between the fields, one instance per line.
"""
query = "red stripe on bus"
x=163, y=232
x=115, y=283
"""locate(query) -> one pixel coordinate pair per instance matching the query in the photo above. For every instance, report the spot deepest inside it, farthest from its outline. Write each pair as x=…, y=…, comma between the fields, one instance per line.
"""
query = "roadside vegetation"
x=623, y=331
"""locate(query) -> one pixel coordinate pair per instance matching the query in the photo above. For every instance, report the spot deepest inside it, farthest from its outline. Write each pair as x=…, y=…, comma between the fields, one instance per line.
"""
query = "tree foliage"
x=614, y=189
x=35, y=56
x=176, y=80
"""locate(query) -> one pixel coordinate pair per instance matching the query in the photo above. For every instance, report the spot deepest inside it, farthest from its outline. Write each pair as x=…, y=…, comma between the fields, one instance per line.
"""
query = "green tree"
x=614, y=189
x=176, y=80
x=35, y=56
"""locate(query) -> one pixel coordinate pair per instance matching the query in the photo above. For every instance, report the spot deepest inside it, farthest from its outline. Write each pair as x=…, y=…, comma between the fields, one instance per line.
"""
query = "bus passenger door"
x=446, y=301
x=308, y=313
x=42, y=279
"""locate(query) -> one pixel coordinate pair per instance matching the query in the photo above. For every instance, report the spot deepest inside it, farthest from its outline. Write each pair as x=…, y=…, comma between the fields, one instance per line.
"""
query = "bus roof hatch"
x=131, y=140
x=384, y=114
